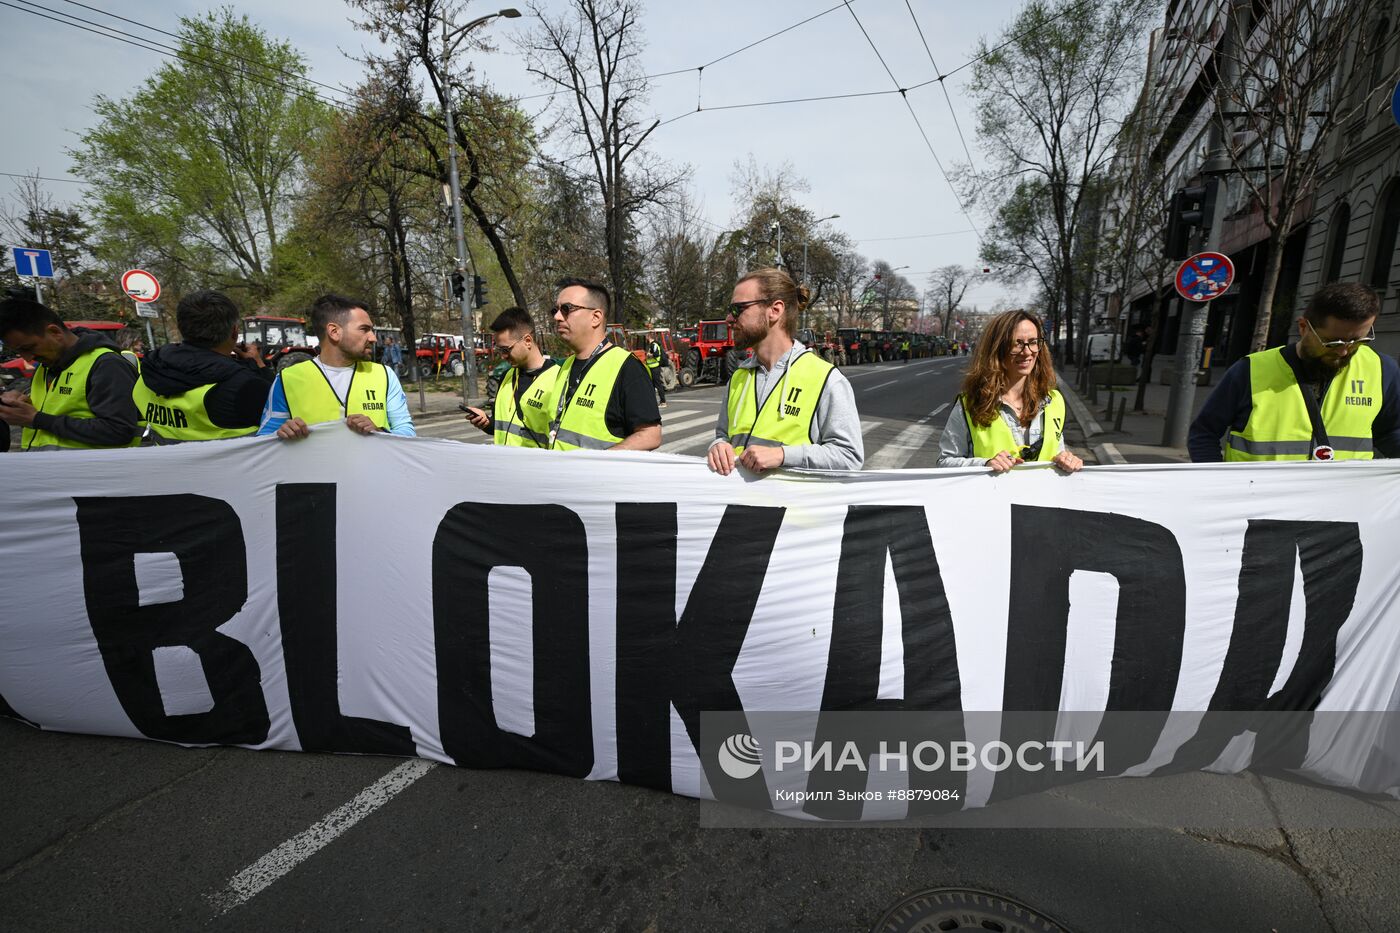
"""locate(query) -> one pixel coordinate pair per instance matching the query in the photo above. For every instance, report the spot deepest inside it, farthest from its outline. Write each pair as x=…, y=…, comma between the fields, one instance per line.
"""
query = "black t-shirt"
x=524, y=377
x=633, y=401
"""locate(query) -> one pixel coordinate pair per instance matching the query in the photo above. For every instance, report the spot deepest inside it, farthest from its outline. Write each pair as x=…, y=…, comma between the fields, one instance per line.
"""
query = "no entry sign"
x=140, y=285
x=1205, y=276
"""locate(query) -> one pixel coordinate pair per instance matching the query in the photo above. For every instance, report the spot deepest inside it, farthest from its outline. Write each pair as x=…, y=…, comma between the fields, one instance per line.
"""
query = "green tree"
x=199, y=167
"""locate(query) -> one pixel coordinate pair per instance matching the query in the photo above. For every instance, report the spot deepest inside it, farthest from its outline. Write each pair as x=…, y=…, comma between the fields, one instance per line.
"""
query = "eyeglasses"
x=1023, y=346
x=507, y=348
x=1340, y=344
x=564, y=309
x=737, y=308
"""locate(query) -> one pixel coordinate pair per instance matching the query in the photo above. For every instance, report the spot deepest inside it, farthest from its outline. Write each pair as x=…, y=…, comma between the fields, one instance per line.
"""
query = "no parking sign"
x=1205, y=276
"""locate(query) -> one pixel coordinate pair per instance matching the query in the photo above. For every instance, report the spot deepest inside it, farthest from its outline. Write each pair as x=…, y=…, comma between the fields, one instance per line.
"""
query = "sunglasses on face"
x=1340, y=344
x=737, y=308
x=564, y=309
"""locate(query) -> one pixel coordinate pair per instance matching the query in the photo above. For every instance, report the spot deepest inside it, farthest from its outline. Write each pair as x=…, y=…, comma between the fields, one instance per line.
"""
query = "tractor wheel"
x=668, y=378
x=732, y=359
x=493, y=385
x=458, y=367
x=291, y=359
x=687, y=376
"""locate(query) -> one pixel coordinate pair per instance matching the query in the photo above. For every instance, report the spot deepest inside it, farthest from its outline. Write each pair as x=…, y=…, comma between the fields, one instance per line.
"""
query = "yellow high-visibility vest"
x=66, y=396
x=785, y=421
x=528, y=425
x=1279, y=427
x=991, y=439
x=174, y=419
x=311, y=398
x=583, y=423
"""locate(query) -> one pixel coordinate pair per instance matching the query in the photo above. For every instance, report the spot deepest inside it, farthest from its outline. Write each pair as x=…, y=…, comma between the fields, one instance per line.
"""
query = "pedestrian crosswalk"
x=689, y=427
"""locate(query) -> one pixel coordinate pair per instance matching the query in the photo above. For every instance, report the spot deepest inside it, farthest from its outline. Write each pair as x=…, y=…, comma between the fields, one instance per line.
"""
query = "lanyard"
x=1321, y=442
x=566, y=395
x=349, y=387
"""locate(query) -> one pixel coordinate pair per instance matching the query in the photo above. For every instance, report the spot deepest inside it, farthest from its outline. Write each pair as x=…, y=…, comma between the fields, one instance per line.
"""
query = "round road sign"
x=1205, y=276
x=140, y=285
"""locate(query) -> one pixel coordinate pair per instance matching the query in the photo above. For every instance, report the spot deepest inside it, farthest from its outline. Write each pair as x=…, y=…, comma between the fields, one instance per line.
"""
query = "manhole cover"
x=943, y=909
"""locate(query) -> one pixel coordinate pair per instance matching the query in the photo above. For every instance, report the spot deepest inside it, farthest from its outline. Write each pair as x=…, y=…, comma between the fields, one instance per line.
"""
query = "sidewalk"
x=1140, y=439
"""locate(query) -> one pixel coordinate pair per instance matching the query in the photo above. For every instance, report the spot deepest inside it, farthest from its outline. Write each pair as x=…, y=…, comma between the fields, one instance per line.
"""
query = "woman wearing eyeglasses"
x=1008, y=412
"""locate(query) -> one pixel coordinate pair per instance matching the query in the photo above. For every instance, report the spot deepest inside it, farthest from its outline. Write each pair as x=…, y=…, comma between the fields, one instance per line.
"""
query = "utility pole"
x=1191, y=338
x=449, y=40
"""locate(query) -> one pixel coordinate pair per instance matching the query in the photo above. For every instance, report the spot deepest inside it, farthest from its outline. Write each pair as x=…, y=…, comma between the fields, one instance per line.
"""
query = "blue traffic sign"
x=32, y=262
x=1205, y=276
x=1395, y=103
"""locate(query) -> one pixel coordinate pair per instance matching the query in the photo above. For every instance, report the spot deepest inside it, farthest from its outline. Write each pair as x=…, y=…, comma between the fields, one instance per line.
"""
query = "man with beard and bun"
x=786, y=406
x=205, y=388
x=1327, y=397
x=340, y=383
x=602, y=398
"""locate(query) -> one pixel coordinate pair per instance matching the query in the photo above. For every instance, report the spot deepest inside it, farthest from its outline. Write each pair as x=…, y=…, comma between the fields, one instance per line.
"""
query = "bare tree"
x=493, y=137
x=679, y=265
x=947, y=285
x=1304, y=76
x=591, y=53
x=888, y=291
x=1049, y=95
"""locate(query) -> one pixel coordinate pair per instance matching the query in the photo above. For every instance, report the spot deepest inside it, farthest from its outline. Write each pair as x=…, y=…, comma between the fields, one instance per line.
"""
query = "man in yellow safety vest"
x=603, y=399
x=1327, y=397
x=786, y=406
x=520, y=415
x=341, y=383
x=80, y=397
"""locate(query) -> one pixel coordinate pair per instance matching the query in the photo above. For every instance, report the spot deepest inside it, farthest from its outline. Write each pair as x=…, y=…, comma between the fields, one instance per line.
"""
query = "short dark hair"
x=515, y=320
x=597, y=292
x=206, y=318
x=26, y=316
x=331, y=309
x=1345, y=301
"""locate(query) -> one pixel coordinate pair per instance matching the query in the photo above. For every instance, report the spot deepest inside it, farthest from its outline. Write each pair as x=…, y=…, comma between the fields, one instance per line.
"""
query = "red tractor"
x=712, y=357
x=438, y=353
x=672, y=351
x=283, y=339
x=826, y=345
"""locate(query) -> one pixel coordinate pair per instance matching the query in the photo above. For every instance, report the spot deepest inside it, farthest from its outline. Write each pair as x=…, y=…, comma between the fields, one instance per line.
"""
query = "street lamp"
x=450, y=38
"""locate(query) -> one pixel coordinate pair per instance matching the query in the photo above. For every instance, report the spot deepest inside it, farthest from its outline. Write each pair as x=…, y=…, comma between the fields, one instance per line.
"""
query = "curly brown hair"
x=986, y=381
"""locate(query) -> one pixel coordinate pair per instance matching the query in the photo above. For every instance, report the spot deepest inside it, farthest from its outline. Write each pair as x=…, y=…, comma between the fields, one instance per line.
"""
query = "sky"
x=863, y=157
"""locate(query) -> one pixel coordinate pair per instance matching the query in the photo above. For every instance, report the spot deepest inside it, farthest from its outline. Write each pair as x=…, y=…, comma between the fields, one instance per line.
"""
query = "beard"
x=746, y=338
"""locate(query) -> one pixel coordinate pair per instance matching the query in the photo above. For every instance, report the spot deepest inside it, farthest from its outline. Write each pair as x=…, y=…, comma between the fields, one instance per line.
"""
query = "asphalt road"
x=115, y=834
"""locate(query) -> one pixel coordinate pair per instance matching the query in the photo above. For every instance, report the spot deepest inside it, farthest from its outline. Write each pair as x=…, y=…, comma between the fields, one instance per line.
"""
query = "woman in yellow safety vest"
x=1008, y=412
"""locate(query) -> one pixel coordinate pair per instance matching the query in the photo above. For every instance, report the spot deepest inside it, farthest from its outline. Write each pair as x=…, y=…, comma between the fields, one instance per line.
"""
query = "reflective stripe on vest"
x=527, y=426
x=584, y=423
x=174, y=419
x=311, y=398
x=67, y=396
x=988, y=440
x=1279, y=427
x=800, y=387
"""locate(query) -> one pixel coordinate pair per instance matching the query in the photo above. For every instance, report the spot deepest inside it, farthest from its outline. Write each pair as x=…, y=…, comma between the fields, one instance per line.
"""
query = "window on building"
x=1336, y=243
x=1384, y=234
x=1380, y=41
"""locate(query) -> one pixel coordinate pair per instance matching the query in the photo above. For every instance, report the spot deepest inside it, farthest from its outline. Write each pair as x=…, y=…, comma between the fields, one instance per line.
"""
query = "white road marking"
x=880, y=386
x=901, y=450
x=252, y=880
x=700, y=442
x=685, y=423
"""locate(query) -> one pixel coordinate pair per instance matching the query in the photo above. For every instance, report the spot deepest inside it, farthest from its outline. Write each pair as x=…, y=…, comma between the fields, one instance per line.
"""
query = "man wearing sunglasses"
x=1327, y=397
x=785, y=405
x=520, y=415
x=602, y=399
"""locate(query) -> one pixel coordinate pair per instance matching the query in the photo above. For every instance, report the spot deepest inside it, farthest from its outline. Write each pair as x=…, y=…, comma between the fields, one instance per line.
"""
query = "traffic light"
x=1190, y=208
x=478, y=291
x=459, y=285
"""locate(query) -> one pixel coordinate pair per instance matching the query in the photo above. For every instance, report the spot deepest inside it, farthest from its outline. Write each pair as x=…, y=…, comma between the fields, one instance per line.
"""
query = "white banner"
x=576, y=613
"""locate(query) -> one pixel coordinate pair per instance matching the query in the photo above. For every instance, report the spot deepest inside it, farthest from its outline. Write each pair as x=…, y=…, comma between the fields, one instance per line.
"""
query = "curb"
x=1080, y=411
x=1107, y=453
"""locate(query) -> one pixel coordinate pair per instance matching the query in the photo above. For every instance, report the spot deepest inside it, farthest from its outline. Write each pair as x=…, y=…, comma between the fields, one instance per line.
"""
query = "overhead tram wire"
x=151, y=45
x=716, y=61
x=904, y=95
x=71, y=181
x=337, y=88
x=941, y=83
